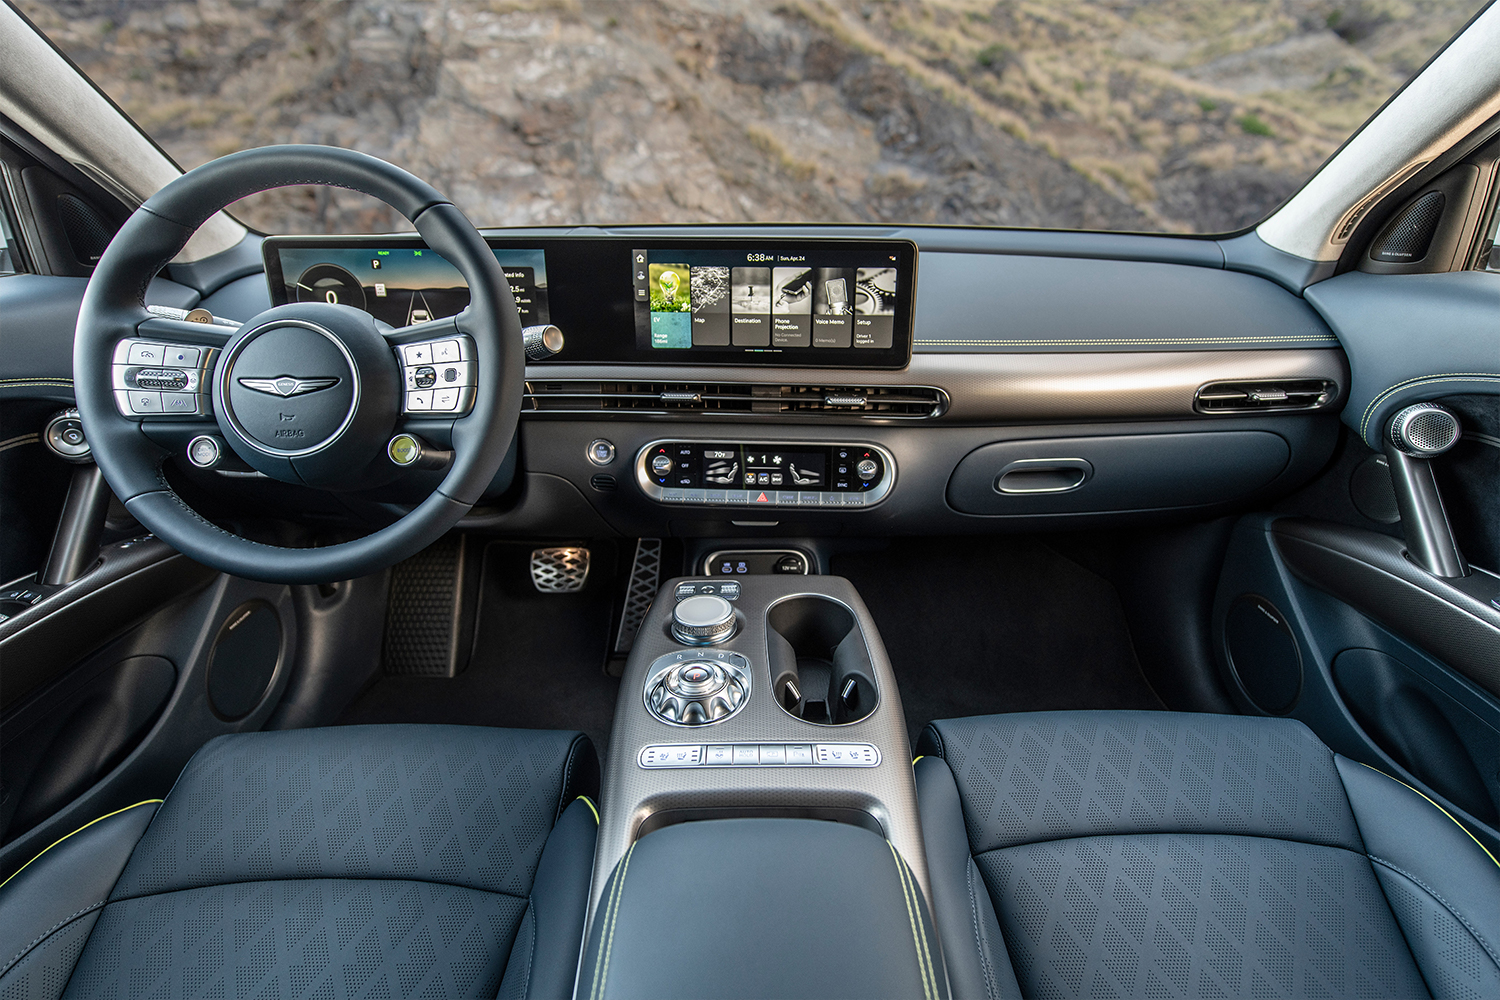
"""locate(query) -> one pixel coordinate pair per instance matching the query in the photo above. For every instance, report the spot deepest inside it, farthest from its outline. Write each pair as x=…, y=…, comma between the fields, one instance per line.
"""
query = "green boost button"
x=404, y=449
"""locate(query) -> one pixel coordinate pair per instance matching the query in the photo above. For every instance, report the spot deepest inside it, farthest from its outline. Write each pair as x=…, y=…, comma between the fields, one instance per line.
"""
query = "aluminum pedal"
x=562, y=570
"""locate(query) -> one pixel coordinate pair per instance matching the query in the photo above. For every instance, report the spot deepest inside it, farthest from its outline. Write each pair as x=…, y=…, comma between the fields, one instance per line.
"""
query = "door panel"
x=1368, y=691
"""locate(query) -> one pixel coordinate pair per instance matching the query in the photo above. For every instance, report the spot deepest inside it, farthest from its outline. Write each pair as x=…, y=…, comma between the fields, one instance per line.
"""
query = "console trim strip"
x=864, y=500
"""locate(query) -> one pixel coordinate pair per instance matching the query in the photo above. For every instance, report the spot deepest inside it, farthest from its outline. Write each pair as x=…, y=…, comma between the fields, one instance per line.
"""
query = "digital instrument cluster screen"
x=769, y=300
x=402, y=283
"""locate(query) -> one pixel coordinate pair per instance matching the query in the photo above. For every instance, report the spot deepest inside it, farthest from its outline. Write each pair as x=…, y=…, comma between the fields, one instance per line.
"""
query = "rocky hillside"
x=1173, y=115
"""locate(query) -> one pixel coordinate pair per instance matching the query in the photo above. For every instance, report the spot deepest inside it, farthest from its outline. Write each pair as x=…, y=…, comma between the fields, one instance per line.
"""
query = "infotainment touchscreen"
x=763, y=301
x=804, y=302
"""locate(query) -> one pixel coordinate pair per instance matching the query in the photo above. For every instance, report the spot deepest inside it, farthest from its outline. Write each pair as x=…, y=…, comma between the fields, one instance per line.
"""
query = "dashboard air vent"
x=881, y=402
x=1268, y=395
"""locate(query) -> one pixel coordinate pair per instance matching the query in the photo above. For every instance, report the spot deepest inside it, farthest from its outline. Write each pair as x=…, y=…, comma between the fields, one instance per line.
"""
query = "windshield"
x=1185, y=116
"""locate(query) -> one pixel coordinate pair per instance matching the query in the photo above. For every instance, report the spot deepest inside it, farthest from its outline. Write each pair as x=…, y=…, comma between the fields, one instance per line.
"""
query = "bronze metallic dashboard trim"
x=990, y=388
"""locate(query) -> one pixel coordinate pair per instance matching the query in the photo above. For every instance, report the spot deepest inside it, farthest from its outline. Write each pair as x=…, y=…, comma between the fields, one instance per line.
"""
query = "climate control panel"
x=765, y=474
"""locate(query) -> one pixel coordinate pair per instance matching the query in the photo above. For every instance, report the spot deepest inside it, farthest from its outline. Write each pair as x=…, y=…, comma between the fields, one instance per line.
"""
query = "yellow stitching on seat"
x=613, y=919
x=911, y=881
x=614, y=890
x=1434, y=805
x=585, y=800
x=927, y=990
x=59, y=840
x=917, y=758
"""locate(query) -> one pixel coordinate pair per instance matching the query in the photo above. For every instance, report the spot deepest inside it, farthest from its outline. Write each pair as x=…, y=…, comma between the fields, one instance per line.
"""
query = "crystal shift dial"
x=697, y=689
x=702, y=620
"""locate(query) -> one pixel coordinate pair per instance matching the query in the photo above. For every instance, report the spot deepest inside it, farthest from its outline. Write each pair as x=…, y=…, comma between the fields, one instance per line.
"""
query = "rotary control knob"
x=698, y=692
x=867, y=469
x=702, y=620
x=661, y=464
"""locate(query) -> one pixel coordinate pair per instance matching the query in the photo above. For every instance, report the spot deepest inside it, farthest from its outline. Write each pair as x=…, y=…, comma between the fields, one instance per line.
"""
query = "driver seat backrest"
x=447, y=861
x=1167, y=854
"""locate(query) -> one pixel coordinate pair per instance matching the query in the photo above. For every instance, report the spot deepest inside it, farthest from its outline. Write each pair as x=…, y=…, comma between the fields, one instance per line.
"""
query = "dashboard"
x=776, y=302
x=776, y=382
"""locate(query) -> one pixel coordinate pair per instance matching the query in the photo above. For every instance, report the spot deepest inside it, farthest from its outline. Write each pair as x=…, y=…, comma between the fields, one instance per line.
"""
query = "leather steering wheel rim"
x=113, y=308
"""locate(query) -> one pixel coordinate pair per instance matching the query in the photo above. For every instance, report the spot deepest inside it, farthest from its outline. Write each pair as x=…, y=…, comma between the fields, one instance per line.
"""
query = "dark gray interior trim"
x=1454, y=620
x=987, y=302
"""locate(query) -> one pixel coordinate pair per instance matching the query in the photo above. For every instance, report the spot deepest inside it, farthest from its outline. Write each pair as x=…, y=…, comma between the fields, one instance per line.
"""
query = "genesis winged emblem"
x=288, y=385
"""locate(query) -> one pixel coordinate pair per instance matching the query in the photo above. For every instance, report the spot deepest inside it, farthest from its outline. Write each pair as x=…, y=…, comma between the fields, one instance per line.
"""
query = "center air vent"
x=1267, y=395
x=880, y=402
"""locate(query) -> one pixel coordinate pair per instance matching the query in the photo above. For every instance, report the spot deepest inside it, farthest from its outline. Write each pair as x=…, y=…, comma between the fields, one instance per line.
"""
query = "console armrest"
x=762, y=908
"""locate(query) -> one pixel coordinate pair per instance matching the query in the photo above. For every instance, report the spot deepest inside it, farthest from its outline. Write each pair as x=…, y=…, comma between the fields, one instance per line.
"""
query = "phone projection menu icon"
x=791, y=306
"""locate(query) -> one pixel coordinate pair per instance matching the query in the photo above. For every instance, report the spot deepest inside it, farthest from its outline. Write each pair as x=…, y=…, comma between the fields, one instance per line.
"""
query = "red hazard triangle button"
x=762, y=499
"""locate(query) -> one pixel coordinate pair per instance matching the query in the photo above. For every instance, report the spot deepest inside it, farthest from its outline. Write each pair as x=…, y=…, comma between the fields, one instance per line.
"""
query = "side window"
x=8, y=261
x=1487, y=259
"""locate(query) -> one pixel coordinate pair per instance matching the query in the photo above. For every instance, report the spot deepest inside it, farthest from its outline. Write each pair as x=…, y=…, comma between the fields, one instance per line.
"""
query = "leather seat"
x=1166, y=854
x=448, y=861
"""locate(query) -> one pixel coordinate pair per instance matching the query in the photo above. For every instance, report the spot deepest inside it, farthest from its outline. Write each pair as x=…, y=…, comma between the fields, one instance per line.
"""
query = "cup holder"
x=820, y=664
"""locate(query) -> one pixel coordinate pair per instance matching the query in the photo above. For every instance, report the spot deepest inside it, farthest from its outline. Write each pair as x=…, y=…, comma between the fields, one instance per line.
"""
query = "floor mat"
x=537, y=660
x=977, y=626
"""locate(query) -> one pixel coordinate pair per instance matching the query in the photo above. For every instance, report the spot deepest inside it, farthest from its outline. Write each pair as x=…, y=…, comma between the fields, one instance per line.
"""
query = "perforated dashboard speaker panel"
x=1410, y=236
x=243, y=660
x=1262, y=654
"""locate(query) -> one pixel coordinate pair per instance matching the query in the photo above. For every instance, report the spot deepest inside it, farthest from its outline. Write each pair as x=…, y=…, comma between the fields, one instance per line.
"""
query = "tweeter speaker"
x=243, y=660
x=1408, y=238
x=1262, y=654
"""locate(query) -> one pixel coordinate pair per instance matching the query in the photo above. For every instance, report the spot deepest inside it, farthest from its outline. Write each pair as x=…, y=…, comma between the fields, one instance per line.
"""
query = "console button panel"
x=765, y=474
x=760, y=755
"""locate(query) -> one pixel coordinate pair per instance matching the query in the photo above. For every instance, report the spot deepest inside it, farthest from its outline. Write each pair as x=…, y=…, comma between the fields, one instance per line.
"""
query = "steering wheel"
x=306, y=393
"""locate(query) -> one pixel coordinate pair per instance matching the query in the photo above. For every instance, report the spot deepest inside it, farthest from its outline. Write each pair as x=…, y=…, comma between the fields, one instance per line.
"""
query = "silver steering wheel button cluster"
x=154, y=379
x=439, y=376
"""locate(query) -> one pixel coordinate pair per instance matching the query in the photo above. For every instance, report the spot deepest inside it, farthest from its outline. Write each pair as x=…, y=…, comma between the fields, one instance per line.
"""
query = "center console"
x=758, y=697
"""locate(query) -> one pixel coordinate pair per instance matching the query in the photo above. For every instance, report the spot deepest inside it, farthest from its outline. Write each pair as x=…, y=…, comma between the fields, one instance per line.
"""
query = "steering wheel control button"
x=440, y=376
x=146, y=354
x=601, y=452
x=702, y=620
x=179, y=402
x=135, y=401
x=410, y=452
x=205, y=451
x=763, y=755
x=182, y=357
x=697, y=688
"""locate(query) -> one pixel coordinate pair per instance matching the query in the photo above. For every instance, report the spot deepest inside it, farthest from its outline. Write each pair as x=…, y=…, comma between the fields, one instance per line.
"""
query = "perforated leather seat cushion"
x=1167, y=854
x=360, y=861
